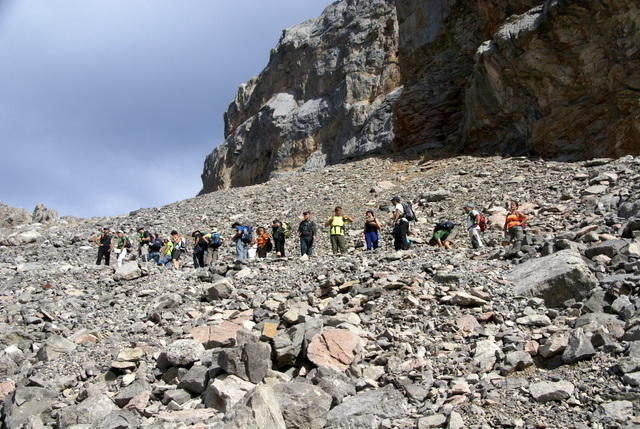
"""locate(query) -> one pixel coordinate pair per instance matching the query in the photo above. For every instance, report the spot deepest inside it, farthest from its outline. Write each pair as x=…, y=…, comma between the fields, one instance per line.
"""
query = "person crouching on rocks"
x=155, y=245
x=443, y=233
x=179, y=246
x=514, y=226
x=371, y=230
x=123, y=245
x=337, y=228
x=279, y=237
x=165, y=252
x=263, y=240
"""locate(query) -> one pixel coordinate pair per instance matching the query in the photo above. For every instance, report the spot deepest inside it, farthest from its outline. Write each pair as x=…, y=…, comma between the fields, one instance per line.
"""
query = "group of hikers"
x=205, y=245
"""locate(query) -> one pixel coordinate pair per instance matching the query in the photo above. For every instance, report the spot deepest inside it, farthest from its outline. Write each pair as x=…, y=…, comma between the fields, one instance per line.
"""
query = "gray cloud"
x=112, y=105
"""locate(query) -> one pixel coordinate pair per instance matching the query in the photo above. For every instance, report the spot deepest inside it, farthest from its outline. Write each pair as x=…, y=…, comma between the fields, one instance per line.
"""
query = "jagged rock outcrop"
x=11, y=217
x=325, y=96
x=561, y=80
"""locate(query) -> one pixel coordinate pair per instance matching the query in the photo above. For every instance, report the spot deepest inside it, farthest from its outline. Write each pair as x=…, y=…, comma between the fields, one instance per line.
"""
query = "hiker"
x=263, y=241
x=104, y=246
x=215, y=242
x=179, y=246
x=165, y=252
x=400, y=223
x=443, y=234
x=243, y=238
x=155, y=244
x=336, y=224
x=474, y=219
x=200, y=247
x=371, y=230
x=279, y=234
x=123, y=245
x=307, y=231
x=514, y=226
x=144, y=238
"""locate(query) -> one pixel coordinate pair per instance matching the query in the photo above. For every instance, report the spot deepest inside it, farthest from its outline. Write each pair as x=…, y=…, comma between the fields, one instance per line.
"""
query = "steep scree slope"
x=422, y=338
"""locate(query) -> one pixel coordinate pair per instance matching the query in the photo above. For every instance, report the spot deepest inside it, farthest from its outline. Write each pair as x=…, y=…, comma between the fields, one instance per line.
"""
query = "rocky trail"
x=545, y=338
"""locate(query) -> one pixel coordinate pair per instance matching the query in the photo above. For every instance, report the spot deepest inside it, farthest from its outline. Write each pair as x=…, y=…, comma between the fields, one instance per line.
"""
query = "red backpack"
x=482, y=222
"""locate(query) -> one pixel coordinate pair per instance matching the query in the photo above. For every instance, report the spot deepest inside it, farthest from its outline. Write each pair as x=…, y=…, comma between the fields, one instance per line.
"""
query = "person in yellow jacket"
x=166, y=252
x=337, y=224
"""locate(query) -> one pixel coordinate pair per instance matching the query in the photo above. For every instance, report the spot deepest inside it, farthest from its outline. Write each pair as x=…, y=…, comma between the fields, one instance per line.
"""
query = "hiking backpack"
x=409, y=214
x=286, y=229
x=446, y=225
x=215, y=241
x=482, y=222
x=246, y=234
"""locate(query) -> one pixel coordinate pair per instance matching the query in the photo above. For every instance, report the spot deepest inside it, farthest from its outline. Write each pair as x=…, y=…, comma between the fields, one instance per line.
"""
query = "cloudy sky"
x=107, y=106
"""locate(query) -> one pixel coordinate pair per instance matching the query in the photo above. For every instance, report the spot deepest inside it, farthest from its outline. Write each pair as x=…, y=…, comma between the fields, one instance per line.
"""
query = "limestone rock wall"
x=438, y=40
x=325, y=96
x=562, y=81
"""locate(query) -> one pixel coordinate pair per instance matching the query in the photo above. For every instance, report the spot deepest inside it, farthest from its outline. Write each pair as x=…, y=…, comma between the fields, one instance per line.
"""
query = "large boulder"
x=128, y=271
x=335, y=348
x=555, y=278
x=368, y=408
x=260, y=409
x=303, y=405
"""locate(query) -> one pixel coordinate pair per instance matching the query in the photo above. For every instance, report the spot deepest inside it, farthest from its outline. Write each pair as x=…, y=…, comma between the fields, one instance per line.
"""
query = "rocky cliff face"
x=325, y=96
x=555, y=78
x=437, y=42
x=562, y=80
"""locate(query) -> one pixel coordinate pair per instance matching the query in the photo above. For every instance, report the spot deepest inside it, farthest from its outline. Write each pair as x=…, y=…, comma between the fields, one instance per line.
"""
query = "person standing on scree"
x=104, y=247
x=371, y=230
x=337, y=224
x=400, y=225
x=307, y=231
x=473, y=225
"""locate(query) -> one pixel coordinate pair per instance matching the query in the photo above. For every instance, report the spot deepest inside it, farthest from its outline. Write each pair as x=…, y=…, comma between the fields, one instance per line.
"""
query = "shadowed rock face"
x=325, y=96
x=560, y=81
x=438, y=41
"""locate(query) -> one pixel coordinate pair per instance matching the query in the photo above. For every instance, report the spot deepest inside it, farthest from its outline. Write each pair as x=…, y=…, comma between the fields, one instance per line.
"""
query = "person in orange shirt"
x=263, y=240
x=514, y=226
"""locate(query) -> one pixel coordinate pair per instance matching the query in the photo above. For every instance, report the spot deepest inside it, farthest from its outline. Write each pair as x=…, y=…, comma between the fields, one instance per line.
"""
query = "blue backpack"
x=215, y=241
x=246, y=234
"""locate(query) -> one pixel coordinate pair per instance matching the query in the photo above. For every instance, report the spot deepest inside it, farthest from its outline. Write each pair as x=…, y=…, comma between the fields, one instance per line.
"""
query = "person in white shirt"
x=400, y=225
x=473, y=226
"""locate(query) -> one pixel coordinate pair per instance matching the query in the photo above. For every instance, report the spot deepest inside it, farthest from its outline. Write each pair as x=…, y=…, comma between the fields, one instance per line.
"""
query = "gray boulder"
x=260, y=409
x=303, y=405
x=221, y=289
x=609, y=248
x=26, y=405
x=195, y=380
x=555, y=278
x=579, y=347
x=128, y=271
x=184, y=352
x=91, y=410
x=545, y=391
x=369, y=406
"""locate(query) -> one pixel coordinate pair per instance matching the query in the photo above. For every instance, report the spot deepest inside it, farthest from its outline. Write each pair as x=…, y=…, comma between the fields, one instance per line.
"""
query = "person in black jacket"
x=104, y=247
x=279, y=237
x=307, y=231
